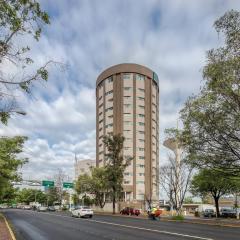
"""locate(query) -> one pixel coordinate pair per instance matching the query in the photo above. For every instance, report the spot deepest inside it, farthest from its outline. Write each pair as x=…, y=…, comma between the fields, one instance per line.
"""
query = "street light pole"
x=70, y=199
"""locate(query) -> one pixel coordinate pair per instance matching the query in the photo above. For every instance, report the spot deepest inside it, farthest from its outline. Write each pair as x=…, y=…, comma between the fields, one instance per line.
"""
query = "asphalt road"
x=32, y=225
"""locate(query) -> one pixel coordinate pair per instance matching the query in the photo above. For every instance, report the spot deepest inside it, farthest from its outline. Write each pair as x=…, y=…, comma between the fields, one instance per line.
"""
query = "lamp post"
x=35, y=197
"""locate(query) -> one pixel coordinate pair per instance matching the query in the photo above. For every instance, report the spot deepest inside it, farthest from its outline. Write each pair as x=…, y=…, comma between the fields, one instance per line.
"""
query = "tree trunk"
x=216, y=199
x=114, y=201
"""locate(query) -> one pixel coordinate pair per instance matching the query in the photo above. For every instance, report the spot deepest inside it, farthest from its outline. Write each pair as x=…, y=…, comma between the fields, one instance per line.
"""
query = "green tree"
x=214, y=183
x=10, y=162
x=18, y=19
x=52, y=195
x=8, y=193
x=86, y=200
x=83, y=184
x=212, y=118
x=115, y=165
x=95, y=184
x=99, y=185
x=30, y=195
x=75, y=199
x=188, y=200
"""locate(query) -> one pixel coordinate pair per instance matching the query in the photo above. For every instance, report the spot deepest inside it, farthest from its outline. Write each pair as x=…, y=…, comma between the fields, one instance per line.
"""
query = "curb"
x=203, y=223
x=8, y=226
x=171, y=220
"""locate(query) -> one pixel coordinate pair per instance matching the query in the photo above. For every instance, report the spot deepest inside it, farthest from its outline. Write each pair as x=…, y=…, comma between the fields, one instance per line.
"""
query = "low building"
x=83, y=166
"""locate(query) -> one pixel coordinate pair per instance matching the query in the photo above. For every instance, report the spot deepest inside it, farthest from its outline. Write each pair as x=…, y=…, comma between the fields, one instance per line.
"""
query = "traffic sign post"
x=69, y=185
x=47, y=183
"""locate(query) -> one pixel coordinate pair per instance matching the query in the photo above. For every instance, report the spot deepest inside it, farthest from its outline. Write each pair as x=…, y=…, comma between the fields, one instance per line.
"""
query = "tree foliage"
x=52, y=195
x=10, y=148
x=212, y=118
x=9, y=158
x=100, y=185
x=83, y=184
x=30, y=195
x=7, y=192
x=115, y=165
x=18, y=19
x=95, y=184
x=212, y=182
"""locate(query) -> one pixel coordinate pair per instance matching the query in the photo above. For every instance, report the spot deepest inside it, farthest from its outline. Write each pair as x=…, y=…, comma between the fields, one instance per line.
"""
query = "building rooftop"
x=127, y=67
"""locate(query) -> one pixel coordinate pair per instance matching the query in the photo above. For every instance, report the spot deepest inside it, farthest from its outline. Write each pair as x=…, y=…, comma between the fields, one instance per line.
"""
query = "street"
x=32, y=225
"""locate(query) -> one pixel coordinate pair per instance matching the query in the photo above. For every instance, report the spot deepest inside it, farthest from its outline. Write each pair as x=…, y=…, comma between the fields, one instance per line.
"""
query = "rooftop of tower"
x=127, y=68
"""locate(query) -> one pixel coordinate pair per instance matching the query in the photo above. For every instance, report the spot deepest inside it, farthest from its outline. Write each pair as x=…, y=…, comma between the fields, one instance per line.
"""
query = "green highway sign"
x=67, y=185
x=47, y=183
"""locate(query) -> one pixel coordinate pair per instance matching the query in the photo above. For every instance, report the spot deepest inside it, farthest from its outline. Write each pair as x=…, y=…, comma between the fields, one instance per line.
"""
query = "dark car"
x=51, y=209
x=130, y=211
x=228, y=213
x=209, y=213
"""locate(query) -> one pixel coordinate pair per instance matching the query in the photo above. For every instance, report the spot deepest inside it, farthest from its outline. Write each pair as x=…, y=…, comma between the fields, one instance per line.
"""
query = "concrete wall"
x=107, y=208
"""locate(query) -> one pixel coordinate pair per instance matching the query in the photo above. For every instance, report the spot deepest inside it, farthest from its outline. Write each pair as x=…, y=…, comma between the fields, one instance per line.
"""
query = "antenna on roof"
x=76, y=158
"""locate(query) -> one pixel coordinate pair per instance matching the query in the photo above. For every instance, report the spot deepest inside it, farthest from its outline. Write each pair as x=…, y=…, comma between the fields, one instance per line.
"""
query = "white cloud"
x=170, y=37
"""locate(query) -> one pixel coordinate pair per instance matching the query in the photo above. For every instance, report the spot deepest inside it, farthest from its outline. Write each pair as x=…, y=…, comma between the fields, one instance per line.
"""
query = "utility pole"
x=35, y=197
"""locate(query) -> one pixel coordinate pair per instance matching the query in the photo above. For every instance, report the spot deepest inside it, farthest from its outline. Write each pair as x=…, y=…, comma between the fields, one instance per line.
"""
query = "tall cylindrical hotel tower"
x=127, y=102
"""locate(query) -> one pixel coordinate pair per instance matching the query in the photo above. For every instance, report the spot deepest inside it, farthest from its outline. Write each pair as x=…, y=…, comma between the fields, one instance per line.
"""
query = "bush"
x=64, y=208
x=178, y=217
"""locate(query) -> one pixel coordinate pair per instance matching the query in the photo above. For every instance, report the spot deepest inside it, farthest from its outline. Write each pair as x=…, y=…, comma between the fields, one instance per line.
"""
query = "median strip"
x=165, y=219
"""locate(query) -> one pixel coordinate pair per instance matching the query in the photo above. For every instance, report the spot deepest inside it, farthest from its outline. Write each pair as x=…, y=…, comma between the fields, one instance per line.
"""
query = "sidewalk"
x=5, y=231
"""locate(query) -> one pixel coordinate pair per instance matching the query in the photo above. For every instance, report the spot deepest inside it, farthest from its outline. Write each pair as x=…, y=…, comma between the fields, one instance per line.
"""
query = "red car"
x=130, y=211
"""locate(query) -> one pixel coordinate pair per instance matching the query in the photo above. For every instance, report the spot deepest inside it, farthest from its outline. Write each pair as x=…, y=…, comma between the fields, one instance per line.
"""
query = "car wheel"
x=90, y=216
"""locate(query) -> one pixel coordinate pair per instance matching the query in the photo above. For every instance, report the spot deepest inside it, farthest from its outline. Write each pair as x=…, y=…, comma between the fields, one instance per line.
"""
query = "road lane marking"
x=164, y=220
x=139, y=228
x=150, y=230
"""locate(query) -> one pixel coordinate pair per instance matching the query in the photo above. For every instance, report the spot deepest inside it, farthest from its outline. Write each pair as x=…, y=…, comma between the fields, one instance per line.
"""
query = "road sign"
x=67, y=185
x=47, y=183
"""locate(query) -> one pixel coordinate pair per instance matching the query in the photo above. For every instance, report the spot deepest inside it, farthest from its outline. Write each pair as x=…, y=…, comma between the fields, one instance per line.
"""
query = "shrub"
x=178, y=217
x=64, y=208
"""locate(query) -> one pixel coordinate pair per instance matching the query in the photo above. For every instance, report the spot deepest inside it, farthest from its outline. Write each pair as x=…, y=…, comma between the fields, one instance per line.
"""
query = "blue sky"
x=170, y=37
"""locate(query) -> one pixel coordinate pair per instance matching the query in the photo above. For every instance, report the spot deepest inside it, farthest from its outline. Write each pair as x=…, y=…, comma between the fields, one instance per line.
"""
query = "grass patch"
x=178, y=217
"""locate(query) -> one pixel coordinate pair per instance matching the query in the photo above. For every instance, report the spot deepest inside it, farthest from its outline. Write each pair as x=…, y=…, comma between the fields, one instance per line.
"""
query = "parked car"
x=42, y=209
x=3, y=206
x=27, y=207
x=51, y=209
x=130, y=211
x=226, y=212
x=209, y=213
x=82, y=211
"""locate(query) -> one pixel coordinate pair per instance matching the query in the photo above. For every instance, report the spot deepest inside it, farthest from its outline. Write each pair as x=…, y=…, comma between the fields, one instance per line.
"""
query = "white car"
x=42, y=209
x=27, y=207
x=82, y=211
